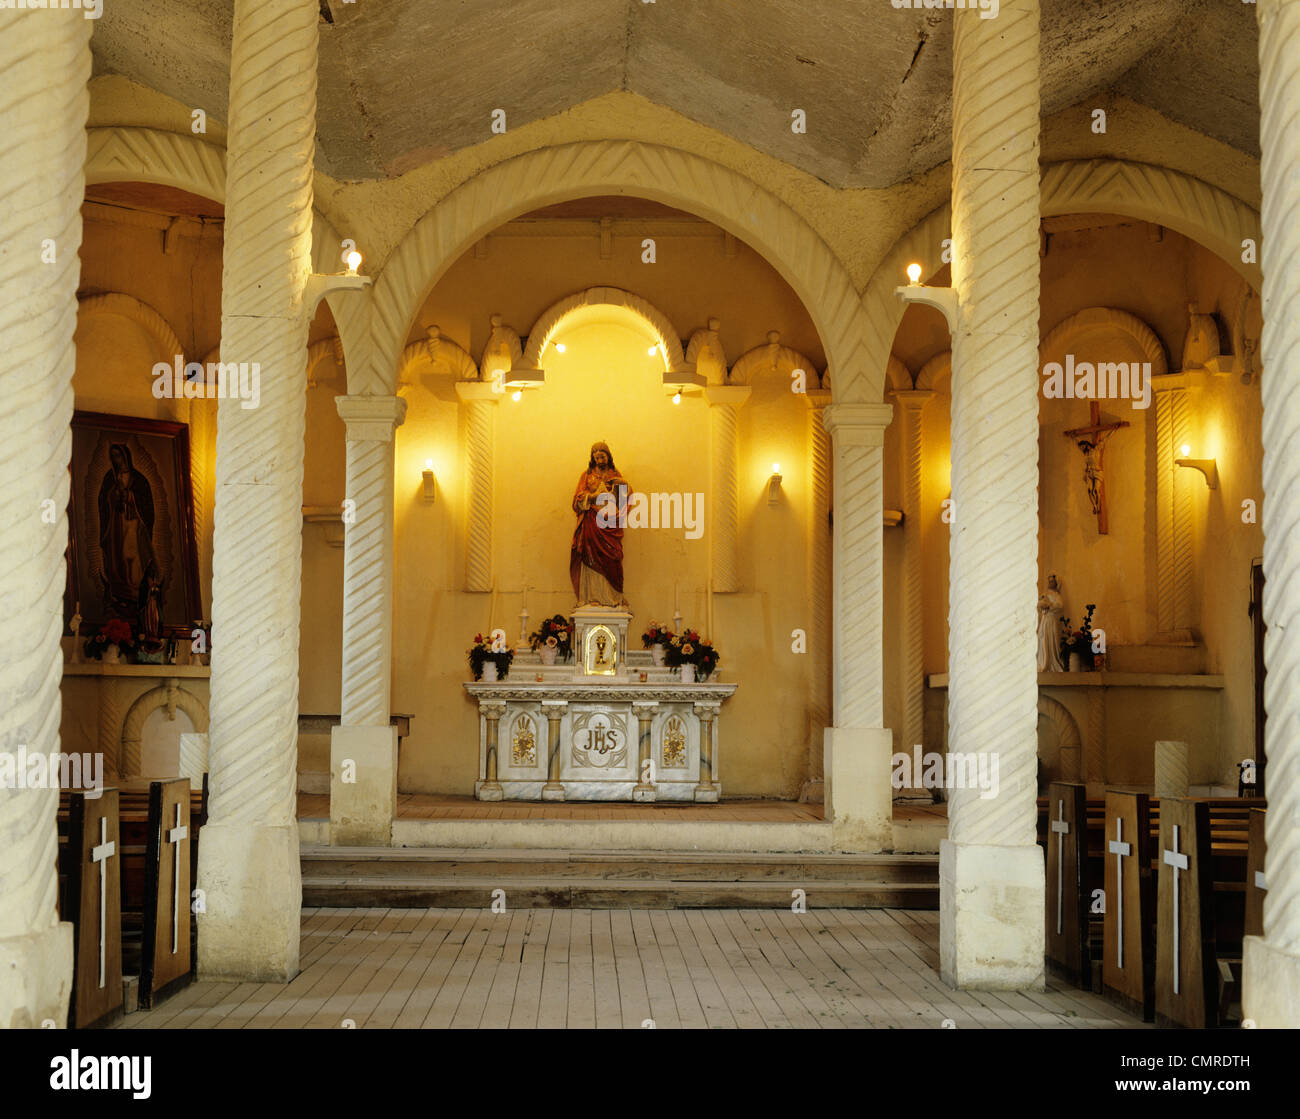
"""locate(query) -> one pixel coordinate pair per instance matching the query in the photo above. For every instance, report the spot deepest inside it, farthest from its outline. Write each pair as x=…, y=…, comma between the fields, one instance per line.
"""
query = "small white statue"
x=1050, y=609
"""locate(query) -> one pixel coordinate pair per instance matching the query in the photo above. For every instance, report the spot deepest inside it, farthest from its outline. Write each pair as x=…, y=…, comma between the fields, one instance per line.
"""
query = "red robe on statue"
x=598, y=536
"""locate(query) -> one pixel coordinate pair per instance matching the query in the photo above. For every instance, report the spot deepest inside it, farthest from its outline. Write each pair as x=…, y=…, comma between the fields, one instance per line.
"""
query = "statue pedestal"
x=607, y=728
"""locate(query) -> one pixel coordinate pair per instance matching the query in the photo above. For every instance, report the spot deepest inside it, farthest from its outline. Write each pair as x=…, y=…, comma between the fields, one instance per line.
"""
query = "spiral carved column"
x=248, y=869
x=819, y=593
x=912, y=674
x=363, y=794
x=991, y=872
x=1271, y=991
x=858, y=792
x=45, y=59
x=480, y=402
x=725, y=524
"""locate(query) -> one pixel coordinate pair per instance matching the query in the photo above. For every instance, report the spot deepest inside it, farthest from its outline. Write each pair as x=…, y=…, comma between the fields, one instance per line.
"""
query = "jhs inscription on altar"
x=598, y=741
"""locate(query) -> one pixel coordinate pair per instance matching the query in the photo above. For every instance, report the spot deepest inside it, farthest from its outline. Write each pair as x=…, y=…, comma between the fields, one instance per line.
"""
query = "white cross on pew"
x=1119, y=849
x=101, y=854
x=1178, y=862
x=1062, y=829
x=174, y=837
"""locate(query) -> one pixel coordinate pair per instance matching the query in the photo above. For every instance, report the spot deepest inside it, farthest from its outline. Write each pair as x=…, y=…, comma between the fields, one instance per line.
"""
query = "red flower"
x=116, y=631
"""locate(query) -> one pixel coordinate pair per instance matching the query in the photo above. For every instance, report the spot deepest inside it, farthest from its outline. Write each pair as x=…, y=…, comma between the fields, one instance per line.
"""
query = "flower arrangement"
x=656, y=634
x=115, y=631
x=481, y=652
x=1079, y=640
x=690, y=648
x=554, y=633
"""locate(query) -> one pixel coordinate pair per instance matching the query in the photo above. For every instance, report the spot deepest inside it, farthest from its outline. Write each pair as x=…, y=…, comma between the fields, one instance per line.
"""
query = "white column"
x=480, y=402
x=248, y=858
x=363, y=749
x=912, y=670
x=990, y=867
x=858, y=748
x=1271, y=987
x=724, y=400
x=45, y=60
x=819, y=593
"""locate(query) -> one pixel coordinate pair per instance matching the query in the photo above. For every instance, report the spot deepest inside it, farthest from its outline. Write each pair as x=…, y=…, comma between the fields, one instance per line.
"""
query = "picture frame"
x=130, y=474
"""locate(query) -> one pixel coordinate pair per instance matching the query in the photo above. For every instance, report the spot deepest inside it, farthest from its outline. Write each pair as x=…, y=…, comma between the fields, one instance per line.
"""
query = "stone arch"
x=661, y=174
x=1201, y=212
x=549, y=322
x=174, y=159
x=129, y=307
x=168, y=696
x=775, y=357
x=1109, y=318
x=1069, y=744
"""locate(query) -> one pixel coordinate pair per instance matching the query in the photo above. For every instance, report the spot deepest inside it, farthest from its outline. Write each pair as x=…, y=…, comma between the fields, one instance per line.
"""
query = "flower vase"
x=657, y=654
x=489, y=671
x=688, y=674
x=1076, y=663
x=112, y=655
x=548, y=654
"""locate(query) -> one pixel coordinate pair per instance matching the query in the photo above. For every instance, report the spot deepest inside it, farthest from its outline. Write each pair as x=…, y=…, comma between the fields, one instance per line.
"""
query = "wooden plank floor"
x=611, y=969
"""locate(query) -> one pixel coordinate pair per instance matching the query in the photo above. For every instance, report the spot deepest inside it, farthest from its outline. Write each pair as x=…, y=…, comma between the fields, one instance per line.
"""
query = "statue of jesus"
x=596, y=556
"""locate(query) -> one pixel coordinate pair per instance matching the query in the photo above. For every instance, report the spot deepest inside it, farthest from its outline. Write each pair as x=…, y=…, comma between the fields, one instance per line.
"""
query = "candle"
x=676, y=607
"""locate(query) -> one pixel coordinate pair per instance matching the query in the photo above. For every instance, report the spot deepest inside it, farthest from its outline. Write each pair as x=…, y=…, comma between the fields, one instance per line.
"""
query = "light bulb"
x=913, y=273
x=517, y=395
x=354, y=260
x=1185, y=451
x=428, y=464
x=677, y=397
x=559, y=347
x=776, y=468
x=651, y=351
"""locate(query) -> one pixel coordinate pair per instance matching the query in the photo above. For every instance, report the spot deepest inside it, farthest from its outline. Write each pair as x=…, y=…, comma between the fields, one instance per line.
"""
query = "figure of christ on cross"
x=1092, y=442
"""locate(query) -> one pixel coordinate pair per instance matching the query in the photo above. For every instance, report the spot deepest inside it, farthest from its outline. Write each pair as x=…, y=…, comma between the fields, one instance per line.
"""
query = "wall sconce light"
x=430, y=483
x=354, y=262
x=677, y=397
x=774, y=485
x=941, y=299
x=560, y=347
x=517, y=395
x=1207, y=466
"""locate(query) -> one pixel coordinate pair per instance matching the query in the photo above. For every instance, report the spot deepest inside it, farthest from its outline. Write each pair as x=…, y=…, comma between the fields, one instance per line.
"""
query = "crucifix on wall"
x=1091, y=441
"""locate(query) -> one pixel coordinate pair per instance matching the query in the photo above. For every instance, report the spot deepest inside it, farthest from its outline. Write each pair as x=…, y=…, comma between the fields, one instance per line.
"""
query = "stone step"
x=539, y=893
x=566, y=866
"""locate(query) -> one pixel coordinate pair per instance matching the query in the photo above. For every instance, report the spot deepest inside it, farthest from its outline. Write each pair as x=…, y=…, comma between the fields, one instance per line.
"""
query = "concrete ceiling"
x=403, y=82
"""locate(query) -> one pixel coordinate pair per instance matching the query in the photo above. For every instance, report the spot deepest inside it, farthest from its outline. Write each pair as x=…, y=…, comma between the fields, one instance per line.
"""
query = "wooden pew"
x=89, y=898
x=1068, y=894
x=1256, y=884
x=1128, y=965
x=1186, y=969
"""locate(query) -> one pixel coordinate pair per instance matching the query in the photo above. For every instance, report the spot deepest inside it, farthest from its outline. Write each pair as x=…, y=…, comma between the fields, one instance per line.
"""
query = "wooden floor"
x=470, y=968
x=431, y=806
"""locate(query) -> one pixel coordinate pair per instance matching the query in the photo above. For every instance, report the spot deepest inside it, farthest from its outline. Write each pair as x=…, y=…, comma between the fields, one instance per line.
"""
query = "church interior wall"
x=1154, y=274
x=606, y=386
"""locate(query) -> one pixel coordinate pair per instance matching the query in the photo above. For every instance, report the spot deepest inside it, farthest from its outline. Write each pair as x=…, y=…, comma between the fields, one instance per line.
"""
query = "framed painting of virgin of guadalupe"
x=131, y=550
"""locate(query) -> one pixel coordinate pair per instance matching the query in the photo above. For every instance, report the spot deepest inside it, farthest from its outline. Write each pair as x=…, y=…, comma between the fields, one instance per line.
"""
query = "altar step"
x=356, y=877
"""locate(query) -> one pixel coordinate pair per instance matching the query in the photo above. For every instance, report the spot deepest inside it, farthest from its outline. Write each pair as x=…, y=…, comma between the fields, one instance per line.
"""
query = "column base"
x=36, y=978
x=857, y=788
x=552, y=791
x=644, y=794
x=362, y=809
x=991, y=931
x=1270, y=990
x=250, y=879
x=707, y=794
x=489, y=790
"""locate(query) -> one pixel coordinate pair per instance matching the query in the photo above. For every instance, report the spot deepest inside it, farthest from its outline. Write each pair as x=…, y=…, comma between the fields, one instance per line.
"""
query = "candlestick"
x=523, y=628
